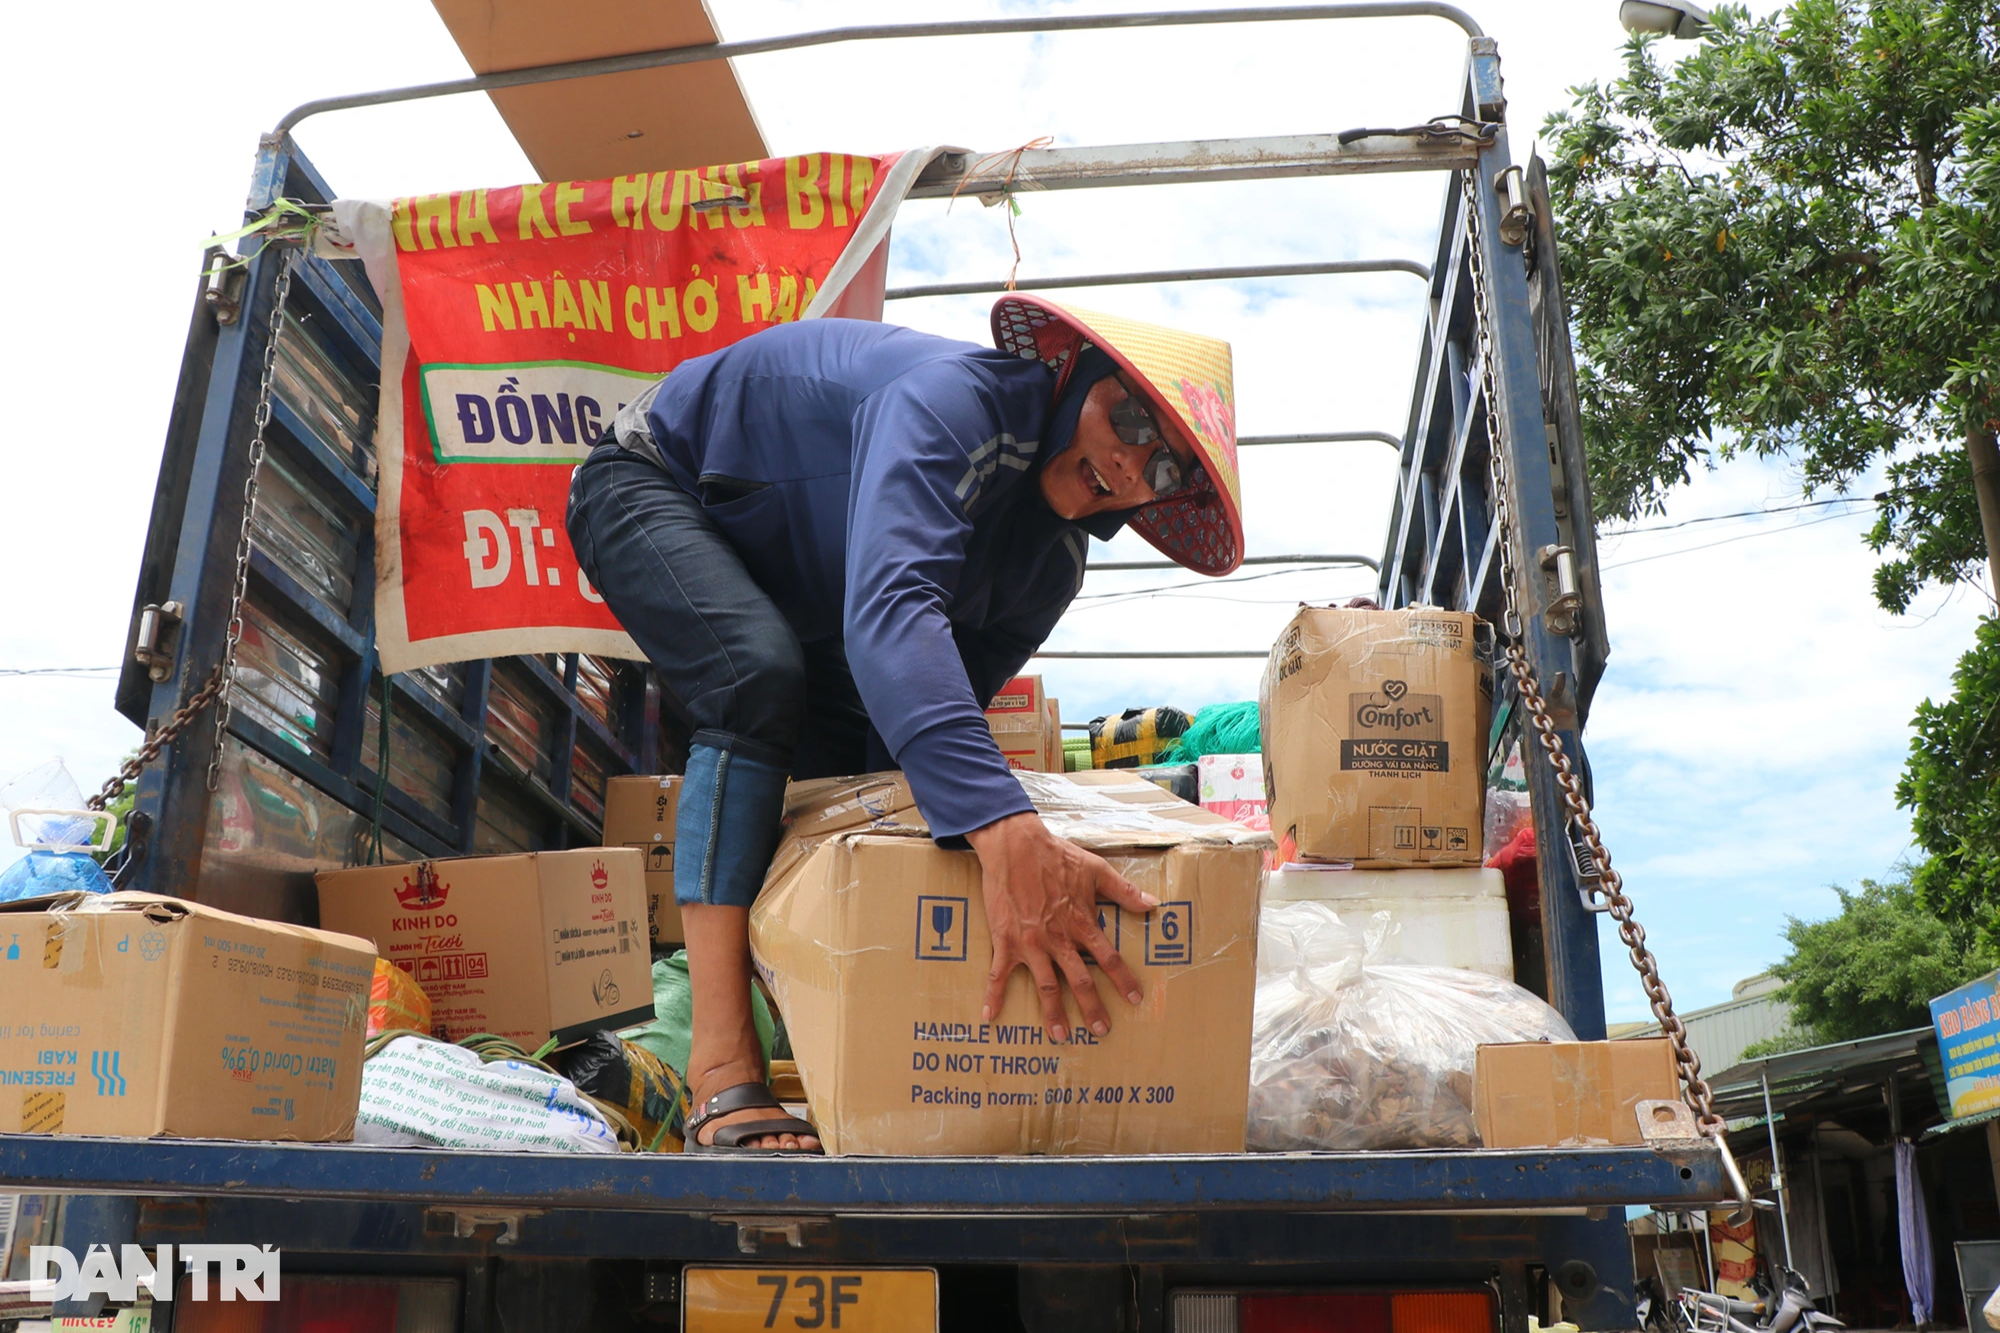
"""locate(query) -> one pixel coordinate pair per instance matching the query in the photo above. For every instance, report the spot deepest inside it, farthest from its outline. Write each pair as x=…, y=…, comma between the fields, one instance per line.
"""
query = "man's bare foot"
x=727, y=1075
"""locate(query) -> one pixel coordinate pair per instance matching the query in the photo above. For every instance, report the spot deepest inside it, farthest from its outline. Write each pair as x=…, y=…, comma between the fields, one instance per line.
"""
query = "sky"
x=1747, y=736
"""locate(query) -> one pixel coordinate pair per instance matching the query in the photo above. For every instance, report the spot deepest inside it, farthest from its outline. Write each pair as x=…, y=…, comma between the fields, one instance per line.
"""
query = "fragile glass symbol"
x=941, y=915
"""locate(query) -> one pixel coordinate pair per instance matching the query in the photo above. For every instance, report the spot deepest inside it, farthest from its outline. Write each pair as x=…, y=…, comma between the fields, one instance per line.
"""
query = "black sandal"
x=729, y=1139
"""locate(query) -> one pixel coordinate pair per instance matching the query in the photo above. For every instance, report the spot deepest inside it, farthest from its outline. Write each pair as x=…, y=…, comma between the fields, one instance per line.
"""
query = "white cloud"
x=1746, y=739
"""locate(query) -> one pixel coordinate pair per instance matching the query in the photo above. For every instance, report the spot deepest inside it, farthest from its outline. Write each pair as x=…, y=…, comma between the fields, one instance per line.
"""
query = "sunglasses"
x=1162, y=470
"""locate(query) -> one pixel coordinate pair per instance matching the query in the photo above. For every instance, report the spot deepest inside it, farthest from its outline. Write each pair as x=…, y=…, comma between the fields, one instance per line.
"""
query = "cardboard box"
x=1022, y=694
x=874, y=942
x=1023, y=741
x=641, y=812
x=1569, y=1094
x=135, y=1014
x=1027, y=726
x=1374, y=728
x=546, y=944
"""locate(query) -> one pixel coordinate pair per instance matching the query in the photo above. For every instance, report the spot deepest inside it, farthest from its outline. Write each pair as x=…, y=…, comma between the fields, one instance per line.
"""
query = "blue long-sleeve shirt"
x=880, y=486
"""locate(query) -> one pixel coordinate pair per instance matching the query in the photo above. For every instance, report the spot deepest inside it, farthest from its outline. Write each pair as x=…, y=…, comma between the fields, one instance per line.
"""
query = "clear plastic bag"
x=53, y=825
x=1507, y=813
x=1353, y=1052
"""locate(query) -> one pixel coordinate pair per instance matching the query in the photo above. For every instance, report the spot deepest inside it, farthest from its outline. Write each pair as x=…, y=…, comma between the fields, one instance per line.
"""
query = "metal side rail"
x=1441, y=1181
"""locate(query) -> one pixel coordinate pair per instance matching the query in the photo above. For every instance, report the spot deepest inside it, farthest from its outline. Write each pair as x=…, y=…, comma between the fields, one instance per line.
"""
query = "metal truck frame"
x=1101, y=1242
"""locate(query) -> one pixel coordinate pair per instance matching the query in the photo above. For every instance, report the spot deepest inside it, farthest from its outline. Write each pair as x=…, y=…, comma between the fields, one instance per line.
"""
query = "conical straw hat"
x=1182, y=373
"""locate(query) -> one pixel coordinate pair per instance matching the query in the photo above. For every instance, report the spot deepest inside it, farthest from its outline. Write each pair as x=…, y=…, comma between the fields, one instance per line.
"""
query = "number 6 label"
x=1170, y=935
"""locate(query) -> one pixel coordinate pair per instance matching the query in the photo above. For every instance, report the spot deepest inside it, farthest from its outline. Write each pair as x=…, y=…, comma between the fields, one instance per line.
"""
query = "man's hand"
x=1041, y=896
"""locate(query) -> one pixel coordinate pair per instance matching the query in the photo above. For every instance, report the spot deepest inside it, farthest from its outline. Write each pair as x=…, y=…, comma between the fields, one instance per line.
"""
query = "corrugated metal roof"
x=1722, y=1032
x=1842, y=1072
x=1837, y=1057
x=614, y=124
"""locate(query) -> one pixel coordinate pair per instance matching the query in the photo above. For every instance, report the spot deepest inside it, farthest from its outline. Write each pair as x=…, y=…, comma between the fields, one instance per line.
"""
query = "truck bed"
x=1277, y=1207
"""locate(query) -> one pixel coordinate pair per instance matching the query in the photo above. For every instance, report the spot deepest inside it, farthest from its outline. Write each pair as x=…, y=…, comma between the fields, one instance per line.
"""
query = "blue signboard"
x=1968, y=1030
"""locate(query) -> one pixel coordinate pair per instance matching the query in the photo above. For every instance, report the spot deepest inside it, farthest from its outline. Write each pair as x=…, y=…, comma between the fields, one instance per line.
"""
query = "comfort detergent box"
x=874, y=942
x=134, y=1014
x=528, y=947
x=1374, y=729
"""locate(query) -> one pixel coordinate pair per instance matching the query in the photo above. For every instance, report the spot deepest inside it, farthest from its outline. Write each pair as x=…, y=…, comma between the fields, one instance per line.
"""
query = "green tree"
x=1789, y=244
x=1873, y=968
x=1952, y=784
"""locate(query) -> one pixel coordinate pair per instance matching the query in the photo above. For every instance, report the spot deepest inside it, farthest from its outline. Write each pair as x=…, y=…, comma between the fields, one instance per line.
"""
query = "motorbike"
x=1791, y=1310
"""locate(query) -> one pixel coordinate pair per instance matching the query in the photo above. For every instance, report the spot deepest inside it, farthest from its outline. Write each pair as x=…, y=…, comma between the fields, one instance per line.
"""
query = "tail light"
x=313, y=1304
x=1254, y=1311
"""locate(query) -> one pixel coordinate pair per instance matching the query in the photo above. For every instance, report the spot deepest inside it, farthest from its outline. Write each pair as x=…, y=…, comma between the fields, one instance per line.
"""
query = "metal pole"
x=691, y=55
x=1777, y=1168
x=1369, y=561
x=1326, y=437
x=1332, y=268
x=1706, y=1248
x=1260, y=654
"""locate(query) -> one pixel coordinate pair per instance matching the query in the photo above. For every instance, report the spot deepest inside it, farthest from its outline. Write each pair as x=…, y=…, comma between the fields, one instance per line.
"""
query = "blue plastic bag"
x=43, y=872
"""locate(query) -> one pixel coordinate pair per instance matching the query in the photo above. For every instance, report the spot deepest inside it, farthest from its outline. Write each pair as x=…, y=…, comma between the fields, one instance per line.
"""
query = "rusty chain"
x=1577, y=806
x=215, y=690
x=159, y=740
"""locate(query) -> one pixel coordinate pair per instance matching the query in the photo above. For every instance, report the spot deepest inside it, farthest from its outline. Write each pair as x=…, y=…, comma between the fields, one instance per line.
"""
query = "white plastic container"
x=1447, y=918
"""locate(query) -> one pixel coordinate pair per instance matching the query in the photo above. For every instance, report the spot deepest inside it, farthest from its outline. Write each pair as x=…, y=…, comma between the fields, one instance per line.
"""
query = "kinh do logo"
x=426, y=891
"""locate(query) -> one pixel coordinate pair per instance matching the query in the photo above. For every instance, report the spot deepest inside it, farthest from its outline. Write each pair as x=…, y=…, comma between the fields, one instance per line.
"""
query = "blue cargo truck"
x=1491, y=514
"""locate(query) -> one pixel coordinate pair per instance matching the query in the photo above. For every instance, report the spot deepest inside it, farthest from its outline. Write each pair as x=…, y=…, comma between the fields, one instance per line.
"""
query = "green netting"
x=1218, y=729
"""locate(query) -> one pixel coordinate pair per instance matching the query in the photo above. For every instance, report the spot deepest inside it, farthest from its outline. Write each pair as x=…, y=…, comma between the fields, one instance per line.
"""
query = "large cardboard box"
x=546, y=944
x=1569, y=1094
x=874, y=942
x=641, y=813
x=134, y=1014
x=1374, y=727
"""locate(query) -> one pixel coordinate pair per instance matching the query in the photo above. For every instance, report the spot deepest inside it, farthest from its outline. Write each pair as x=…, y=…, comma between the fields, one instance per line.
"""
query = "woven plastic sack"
x=1354, y=1052
x=637, y=1082
x=417, y=1093
x=396, y=1001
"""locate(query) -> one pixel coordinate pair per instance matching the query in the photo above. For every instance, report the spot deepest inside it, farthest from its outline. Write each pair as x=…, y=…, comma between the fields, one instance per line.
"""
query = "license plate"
x=854, y=1300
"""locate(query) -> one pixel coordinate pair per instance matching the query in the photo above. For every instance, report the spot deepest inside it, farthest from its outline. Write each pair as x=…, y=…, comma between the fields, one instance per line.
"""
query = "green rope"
x=381, y=774
x=283, y=220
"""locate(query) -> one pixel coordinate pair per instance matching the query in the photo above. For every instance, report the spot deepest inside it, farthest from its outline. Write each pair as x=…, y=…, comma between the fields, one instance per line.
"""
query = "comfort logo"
x=1392, y=711
x=426, y=891
x=527, y=412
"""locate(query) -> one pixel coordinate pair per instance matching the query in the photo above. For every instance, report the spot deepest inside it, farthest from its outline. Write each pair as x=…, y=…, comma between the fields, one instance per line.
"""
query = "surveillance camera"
x=1679, y=19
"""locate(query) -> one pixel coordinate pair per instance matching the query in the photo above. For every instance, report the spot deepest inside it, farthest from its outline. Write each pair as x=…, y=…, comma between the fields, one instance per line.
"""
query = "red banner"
x=518, y=321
